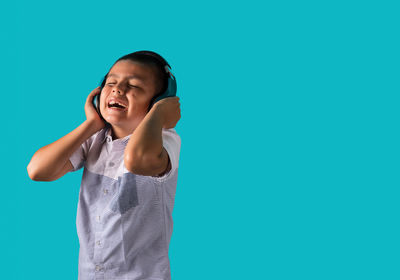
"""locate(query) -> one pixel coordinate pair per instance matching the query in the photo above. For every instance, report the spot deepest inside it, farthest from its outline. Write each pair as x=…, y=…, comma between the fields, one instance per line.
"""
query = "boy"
x=130, y=157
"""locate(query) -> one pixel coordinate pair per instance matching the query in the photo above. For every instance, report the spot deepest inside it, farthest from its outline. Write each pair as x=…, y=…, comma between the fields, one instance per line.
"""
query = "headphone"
x=169, y=92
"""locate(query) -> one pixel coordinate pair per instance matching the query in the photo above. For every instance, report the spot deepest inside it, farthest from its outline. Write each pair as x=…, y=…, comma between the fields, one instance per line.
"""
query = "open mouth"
x=116, y=106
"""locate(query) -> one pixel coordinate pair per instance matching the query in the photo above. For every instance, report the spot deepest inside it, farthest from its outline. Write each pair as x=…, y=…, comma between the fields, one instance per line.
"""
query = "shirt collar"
x=117, y=142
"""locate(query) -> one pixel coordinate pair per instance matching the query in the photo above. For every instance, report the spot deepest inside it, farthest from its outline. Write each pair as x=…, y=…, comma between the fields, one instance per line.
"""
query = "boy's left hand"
x=170, y=111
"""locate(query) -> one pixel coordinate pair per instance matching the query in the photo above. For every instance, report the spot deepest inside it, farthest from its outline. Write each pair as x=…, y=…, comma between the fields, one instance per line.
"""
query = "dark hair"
x=153, y=60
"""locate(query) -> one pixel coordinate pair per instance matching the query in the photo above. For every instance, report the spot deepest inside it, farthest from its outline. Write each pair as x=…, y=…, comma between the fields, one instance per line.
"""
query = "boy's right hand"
x=91, y=114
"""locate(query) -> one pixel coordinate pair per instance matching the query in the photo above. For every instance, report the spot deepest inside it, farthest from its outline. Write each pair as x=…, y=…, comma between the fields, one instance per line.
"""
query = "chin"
x=113, y=120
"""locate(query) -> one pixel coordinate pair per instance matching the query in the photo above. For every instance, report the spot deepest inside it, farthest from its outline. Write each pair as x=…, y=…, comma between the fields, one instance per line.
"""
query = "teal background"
x=290, y=142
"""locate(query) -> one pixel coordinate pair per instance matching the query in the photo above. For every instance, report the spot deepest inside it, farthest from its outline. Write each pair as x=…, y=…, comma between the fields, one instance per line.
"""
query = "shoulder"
x=171, y=141
x=94, y=142
x=172, y=145
x=171, y=133
x=98, y=137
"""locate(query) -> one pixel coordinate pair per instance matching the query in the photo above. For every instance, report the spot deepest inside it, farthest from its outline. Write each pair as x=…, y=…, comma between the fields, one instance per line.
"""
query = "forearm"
x=145, y=142
x=51, y=158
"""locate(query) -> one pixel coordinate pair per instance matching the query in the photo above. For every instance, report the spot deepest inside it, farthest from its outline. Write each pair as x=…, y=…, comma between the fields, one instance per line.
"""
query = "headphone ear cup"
x=97, y=106
x=169, y=92
x=98, y=103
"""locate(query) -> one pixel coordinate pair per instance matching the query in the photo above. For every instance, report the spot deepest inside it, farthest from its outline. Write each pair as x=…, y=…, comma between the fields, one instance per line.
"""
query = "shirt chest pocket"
x=127, y=194
x=133, y=190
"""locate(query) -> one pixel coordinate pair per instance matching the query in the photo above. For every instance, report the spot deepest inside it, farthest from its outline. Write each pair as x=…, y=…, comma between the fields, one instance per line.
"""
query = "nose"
x=116, y=90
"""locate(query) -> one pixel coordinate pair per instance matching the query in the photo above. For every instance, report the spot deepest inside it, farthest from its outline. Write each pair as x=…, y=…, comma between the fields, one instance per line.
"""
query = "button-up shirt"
x=124, y=220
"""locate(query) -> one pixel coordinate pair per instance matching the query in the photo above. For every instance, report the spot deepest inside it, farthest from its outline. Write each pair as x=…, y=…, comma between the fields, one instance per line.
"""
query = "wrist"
x=92, y=126
x=157, y=114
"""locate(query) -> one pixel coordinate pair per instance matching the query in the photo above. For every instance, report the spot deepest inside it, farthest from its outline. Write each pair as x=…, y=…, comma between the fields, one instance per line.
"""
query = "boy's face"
x=134, y=85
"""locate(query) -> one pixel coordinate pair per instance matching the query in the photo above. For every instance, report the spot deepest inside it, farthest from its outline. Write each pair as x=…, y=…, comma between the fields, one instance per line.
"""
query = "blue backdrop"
x=289, y=164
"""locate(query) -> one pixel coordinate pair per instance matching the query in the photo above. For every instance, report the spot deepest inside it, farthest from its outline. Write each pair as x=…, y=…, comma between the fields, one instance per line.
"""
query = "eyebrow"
x=130, y=77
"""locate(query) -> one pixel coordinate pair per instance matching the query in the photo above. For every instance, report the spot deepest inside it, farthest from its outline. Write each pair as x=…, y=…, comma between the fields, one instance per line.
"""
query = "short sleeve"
x=78, y=158
x=172, y=144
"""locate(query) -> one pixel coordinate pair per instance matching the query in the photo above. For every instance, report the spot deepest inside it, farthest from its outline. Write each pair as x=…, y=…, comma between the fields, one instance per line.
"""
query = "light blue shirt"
x=124, y=221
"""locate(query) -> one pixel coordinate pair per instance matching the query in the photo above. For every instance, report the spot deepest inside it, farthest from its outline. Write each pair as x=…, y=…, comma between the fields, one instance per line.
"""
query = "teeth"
x=113, y=102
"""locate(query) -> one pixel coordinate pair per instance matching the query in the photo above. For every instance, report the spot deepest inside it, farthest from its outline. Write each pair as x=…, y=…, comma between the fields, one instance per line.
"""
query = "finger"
x=91, y=96
x=94, y=92
x=96, y=89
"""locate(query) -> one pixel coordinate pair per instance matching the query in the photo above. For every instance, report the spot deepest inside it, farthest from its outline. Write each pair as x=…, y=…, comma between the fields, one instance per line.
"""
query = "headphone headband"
x=155, y=55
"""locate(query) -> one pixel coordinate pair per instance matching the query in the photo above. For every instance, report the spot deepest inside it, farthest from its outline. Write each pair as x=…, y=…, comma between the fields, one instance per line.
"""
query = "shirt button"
x=108, y=139
x=98, y=218
x=105, y=191
x=98, y=268
x=98, y=243
x=111, y=164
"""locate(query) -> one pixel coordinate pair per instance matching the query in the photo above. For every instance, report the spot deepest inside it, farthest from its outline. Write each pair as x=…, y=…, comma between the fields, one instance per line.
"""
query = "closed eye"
x=133, y=86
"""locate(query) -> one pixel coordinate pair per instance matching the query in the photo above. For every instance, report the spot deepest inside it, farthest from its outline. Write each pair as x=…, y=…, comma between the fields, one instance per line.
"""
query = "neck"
x=117, y=133
x=121, y=130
